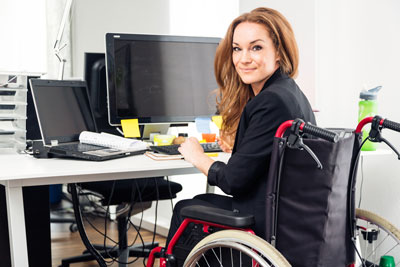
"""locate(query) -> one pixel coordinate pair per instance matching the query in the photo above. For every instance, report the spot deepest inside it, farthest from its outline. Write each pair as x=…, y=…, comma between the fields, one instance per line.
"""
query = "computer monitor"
x=160, y=78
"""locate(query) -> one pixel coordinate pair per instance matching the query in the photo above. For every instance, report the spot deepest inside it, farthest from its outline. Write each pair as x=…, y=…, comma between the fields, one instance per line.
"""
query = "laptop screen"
x=62, y=108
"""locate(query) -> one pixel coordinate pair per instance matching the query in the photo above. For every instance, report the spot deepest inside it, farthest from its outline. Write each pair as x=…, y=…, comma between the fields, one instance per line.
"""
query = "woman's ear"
x=278, y=57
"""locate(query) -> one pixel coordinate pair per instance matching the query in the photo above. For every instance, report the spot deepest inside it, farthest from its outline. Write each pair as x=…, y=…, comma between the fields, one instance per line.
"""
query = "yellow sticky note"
x=130, y=128
x=217, y=120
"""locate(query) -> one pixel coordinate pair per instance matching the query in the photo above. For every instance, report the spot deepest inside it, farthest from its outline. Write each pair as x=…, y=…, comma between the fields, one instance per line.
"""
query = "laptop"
x=63, y=112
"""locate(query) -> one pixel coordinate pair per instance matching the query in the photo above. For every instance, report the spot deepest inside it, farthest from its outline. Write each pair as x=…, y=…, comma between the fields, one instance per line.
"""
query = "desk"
x=19, y=171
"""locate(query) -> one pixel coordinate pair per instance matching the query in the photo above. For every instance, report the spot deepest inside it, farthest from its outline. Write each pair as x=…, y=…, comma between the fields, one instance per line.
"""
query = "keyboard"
x=173, y=149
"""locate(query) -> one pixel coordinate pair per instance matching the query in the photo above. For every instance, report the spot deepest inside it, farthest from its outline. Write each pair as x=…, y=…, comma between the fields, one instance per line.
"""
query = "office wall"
x=358, y=44
x=92, y=19
x=175, y=17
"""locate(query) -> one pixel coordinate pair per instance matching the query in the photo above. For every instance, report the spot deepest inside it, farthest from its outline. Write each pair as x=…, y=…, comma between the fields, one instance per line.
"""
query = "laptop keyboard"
x=173, y=149
x=79, y=147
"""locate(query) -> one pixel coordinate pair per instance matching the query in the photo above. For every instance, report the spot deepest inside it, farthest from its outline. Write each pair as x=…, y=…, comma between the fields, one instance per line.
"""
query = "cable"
x=9, y=81
x=359, y=255
x=107, y=212
x=98, y=231
x=105, y=220
x=362, y=181
x=120, y=131
x=138, y=234
x=351, y=211
x=81, y=228
x=96, y=207
x=95, y=228
x=116, y=244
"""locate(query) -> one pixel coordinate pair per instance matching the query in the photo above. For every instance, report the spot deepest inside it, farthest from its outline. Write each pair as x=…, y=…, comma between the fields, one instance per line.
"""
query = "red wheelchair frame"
x=178, y=234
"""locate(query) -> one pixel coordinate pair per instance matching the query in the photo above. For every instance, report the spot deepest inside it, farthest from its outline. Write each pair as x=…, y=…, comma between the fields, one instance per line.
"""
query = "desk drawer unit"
x=13, y=103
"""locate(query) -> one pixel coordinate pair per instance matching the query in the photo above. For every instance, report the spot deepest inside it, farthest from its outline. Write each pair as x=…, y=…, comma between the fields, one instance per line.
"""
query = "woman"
x=254, y=67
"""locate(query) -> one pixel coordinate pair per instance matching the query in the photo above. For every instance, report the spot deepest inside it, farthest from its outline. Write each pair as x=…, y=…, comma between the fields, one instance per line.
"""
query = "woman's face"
x=254, y=55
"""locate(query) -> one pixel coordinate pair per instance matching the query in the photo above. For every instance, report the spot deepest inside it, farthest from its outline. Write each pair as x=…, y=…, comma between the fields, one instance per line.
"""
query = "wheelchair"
x=309, y=203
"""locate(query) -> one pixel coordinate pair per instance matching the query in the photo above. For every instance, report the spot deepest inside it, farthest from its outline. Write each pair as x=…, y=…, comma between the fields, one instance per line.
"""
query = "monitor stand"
x=155, y=128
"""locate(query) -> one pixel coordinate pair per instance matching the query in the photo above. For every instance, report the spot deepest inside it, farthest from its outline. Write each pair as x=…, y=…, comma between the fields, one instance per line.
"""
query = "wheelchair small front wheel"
x=234, y=248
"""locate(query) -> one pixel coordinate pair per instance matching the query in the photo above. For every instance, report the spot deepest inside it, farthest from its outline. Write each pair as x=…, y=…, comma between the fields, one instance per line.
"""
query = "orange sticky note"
x=130, y=128
x=217, y=120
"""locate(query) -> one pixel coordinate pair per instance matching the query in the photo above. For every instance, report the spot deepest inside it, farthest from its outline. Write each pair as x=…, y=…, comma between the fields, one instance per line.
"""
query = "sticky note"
x=218, y=121
x=203, y=124
x=130, y=128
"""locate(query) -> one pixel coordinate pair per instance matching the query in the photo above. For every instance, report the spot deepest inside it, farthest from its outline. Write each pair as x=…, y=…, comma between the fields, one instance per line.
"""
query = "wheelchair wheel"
x=376, y=237
x=234, y=248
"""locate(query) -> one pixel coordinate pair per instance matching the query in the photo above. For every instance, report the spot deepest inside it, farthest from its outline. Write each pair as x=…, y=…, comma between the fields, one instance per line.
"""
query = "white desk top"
x=25, y=170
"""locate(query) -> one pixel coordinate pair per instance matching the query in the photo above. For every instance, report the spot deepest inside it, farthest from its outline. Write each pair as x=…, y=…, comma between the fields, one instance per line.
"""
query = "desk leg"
x=16, y=226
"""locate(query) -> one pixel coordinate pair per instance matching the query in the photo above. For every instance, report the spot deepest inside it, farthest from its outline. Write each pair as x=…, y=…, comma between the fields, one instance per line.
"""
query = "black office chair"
x=138, y=192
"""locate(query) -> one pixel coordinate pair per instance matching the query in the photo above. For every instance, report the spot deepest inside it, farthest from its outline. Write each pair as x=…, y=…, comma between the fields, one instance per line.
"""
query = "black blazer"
x=245, y=175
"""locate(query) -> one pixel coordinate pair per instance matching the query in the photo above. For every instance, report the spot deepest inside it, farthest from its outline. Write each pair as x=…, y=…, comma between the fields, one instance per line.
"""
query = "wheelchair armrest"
x=218, y=216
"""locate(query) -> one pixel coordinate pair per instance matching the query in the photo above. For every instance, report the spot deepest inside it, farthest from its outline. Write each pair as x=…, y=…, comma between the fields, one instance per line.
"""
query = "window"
x=23, y=40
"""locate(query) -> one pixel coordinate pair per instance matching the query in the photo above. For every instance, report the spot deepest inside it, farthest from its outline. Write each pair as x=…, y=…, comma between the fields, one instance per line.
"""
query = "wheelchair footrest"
x=218, y=216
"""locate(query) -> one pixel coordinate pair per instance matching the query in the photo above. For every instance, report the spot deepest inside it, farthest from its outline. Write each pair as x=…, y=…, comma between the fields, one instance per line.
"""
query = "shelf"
x=13, y=105
x=11, y=117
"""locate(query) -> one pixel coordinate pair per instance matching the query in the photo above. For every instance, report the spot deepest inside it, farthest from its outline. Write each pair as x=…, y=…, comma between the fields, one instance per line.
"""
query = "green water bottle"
x=368, y=107
x=387, y=261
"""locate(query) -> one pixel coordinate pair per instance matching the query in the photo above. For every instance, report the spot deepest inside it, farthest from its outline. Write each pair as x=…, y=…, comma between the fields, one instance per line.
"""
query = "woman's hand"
x=194, y=153
x=224, y=145
x=191, y=150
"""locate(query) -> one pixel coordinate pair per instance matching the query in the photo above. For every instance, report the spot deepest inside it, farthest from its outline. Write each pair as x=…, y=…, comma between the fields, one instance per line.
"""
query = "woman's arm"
x=255, y=135
x=224, y=145
x=194, y=153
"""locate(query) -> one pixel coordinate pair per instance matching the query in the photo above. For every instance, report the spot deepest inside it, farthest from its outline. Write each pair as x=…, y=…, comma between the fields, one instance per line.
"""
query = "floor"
x=66, y=244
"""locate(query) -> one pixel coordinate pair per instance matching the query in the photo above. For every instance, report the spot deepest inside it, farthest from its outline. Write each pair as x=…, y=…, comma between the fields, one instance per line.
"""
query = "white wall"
x=92, y=19
x=358, y=43
x=202, y=18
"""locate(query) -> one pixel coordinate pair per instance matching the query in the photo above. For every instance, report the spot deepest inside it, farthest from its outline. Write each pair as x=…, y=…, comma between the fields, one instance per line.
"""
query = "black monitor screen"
x=160, y=78
x=62, y=108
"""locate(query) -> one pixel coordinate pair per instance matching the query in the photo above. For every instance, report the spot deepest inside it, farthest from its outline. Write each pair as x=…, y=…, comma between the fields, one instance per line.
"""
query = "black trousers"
x=209, y=200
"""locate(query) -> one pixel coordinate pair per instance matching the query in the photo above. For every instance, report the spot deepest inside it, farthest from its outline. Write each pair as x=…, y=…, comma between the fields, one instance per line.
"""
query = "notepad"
x=217, y=120
x=130, y=128
x=203, y=124
x=112, y=141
